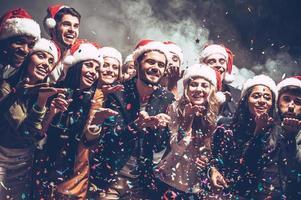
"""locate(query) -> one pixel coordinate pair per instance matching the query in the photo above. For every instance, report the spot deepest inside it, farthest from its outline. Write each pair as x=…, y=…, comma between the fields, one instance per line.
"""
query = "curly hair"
x=212, y=107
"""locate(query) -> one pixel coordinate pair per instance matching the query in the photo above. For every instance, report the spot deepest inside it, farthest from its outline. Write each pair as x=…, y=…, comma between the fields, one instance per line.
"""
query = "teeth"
x=69, y=36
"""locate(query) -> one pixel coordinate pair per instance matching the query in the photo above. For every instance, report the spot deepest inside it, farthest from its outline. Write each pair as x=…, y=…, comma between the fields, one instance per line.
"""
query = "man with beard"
x=122, y=164
x=18, y=34
x=62, y=24
x=289, y=107
x=220, y=58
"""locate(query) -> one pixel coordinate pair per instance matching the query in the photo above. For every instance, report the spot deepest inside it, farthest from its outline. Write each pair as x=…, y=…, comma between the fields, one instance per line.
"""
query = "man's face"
x=67, y=30
x=152, y=67
x=18, y=49
x=289, y=105
x=217, y=62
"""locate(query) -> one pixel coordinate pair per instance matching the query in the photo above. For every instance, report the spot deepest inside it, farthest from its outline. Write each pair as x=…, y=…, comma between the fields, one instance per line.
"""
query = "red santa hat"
x=227, y=53
x=18, y=22
x=83, y=50
x=260, y=80
x=173, y=48
x=149, y=45
x=50, y=22
x=206, y=72
x=48, y=46
x=292, y=81
x=112, y=53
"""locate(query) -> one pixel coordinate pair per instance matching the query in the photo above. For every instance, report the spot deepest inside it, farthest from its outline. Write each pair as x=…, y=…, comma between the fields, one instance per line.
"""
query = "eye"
x=51, y=61
x=255, y=95
x=106, y=65
x=267, y=97
x=66, y=23
x=97, y=68
x=193, y=84
x=298, y=101
x=115, y=67
x=40, y=55
x=286, y=98
x=161, y=64
x=31, y=45
x=76, y=26
x=175, y=58
x=150, y=61
x=205, y=85
x=222, y=61
x=211, y=61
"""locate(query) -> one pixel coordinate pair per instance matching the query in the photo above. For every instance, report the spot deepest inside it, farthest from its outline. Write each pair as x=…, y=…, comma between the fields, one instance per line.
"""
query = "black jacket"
x=119, y=134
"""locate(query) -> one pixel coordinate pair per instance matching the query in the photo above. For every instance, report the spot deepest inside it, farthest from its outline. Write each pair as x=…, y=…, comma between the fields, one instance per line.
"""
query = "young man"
x=18, y=34
x=221, y=59
x=62, y=25
x=173, y=73
x=122, y=164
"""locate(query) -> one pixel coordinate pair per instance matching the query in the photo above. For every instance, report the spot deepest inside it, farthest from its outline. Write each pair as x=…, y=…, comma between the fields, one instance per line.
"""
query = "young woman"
x=20, y=123
x=58, y=169
x=193, y=119
x=253, y=121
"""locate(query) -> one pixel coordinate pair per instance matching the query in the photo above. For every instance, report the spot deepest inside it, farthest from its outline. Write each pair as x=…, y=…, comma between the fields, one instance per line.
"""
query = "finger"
x=182, y=73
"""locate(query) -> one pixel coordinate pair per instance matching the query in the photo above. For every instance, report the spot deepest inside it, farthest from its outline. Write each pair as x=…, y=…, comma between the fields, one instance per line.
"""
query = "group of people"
x=78, y=122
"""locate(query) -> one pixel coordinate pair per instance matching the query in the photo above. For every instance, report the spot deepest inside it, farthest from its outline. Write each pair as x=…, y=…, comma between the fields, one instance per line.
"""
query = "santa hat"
x=227, y=53
x=206, y=72
x=129, y=58
x=149, y=45
x=260, y=80
x=173, y=48
x=47, y=46
x=50, y=22
x=18, y=22
x=112, y=53
x=292, y=81
x=83, y=50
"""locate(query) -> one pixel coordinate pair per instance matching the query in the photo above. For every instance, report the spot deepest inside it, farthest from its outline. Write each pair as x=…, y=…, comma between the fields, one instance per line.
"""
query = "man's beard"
x=144, y=79
x=290, y=115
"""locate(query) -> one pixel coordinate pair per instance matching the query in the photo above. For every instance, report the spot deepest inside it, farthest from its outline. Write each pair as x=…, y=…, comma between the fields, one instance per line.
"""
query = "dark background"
x=263, y=34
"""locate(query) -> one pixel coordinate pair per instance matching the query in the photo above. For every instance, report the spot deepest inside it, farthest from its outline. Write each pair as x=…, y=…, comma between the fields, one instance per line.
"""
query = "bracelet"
x=93, y=129
x=37, y=109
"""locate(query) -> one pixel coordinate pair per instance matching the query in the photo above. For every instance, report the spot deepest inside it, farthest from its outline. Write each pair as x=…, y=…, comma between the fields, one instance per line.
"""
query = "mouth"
x=153, y=72
x=289, y=115
x=69, y=36
x=41, y=71
x=90, y=79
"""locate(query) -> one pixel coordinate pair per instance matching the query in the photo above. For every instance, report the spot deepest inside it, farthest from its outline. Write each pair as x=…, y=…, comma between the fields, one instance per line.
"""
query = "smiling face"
x=152, y=67
x=40, y=65
x=218, y=62
x=260, y=100
x=18, y=49
x=90, y=73
x=67, y=30
x=198, y=90
x=109, y=72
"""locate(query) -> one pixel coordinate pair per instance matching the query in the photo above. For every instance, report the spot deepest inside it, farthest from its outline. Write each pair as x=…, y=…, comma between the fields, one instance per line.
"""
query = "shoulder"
x=165, y=96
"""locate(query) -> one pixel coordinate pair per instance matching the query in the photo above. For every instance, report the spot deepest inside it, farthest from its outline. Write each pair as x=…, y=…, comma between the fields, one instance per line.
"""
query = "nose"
x=25, y=49
x=291, y=106
x=262, y=100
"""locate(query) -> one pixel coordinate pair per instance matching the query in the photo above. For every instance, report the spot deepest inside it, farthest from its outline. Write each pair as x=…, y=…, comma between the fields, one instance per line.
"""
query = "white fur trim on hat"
x=112, y=53
x=50, y=23
x=200, y=70
x=154, y=45
x=289, y=82
x=173, y=48
x=86, y=51
x=229, y=78
x=213, y=49
x=128, y=58
x=20, y=26
x=47, y=46
x=221, y=98
x=260, y=80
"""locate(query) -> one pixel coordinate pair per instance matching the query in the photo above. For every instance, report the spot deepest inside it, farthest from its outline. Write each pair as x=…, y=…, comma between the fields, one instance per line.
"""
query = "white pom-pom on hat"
x=50, y=23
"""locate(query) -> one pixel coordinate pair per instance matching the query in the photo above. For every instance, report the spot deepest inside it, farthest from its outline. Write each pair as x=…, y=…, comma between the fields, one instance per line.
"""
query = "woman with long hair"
x=20, y=123
x=193, y=120
x=254, y=120
x=65, y=121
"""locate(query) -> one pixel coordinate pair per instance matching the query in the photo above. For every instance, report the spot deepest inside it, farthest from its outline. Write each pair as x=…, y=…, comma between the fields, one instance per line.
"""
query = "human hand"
x=262, y=121
x=107, y=89
x=291, y=125
x=217, y=179
x=46, y=92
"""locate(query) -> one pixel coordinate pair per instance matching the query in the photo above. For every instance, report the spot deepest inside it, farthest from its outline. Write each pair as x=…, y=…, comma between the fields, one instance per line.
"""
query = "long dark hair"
x=243, y=123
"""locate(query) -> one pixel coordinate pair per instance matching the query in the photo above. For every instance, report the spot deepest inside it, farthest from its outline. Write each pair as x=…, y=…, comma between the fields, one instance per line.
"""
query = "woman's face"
x=260, y=100
x=109, y=72
x=198, y=91
x=90, y=73
x=40, y=65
